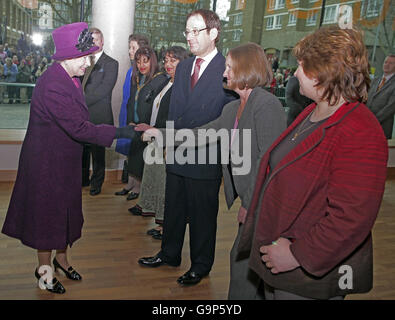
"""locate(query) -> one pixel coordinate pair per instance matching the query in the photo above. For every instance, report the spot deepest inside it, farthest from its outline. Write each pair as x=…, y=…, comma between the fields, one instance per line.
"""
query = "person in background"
x=294, y=100
x=10, y=74
x=45, y=210
x=135, y=41
x=152, y=196
x=320, y=184
x=98, y=83
x=24, y=73
x=146, y=84
x=381, y=97
x=41, y=68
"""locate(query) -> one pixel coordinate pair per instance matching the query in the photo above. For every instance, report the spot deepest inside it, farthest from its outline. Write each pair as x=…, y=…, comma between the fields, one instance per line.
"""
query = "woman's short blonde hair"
x=338, y=59
x=250, y=67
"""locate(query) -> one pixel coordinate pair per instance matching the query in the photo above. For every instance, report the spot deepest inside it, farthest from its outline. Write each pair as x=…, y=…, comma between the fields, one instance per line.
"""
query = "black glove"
x=125, y=132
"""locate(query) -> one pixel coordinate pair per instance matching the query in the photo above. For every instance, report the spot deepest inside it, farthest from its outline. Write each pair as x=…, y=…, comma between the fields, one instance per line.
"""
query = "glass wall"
x=277, y=25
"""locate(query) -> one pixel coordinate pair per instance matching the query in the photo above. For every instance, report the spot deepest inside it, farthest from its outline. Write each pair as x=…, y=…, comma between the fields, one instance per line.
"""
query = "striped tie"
x=195, y=75
x=381, y=84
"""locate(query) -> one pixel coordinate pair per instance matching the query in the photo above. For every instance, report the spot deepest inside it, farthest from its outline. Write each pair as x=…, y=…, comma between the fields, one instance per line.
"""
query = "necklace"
x=299, y=131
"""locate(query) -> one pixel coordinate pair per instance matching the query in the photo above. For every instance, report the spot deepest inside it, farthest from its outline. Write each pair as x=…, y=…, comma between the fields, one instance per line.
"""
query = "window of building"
x=371, y=8
x=311, y=18
x=238, y=19
x=236, y=35
x=240, y=4
x=279, y=4
x=274, y=22
x=292, y=18
x=276, y=4
x=330, y=15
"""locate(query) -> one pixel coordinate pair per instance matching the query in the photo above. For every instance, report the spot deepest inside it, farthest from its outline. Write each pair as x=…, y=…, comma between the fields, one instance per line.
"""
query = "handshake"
x=132, y=130
x=126, y=132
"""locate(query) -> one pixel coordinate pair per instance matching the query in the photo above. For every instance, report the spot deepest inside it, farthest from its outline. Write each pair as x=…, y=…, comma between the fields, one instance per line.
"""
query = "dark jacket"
x=145, y=99
x=98, y=90
x=45, y=210
x=194, y=108
x=382, y=104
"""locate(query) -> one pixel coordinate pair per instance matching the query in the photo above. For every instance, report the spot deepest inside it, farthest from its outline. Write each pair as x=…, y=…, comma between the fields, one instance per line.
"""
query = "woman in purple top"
x=45, y=210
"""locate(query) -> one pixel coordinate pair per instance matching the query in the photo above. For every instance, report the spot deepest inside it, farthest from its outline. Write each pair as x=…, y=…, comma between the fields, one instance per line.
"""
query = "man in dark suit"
x=192, y=189
x=381, y=96
x=98, y=83
x=294, y=100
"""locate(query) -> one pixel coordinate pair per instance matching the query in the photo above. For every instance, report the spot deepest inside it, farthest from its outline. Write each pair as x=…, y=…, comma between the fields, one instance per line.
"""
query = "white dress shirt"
x=206, y=60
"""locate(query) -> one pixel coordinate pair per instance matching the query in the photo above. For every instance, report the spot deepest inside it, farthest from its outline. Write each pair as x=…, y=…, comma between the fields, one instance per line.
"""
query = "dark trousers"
x=98, y=164
x=192, y=201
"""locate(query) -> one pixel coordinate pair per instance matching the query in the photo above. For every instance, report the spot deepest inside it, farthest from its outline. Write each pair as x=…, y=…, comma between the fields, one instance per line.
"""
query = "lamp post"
x=82, y=10
x=322, y=13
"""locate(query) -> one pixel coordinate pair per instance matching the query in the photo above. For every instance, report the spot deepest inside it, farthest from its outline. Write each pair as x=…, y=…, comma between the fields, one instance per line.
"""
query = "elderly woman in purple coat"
x=45, y=210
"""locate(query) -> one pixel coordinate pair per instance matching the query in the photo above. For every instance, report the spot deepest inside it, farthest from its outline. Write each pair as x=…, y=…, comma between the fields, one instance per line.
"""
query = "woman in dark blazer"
x=320, y=185
x=152, y=199
x=45, y=210
x=259, y=113
x=147, y=82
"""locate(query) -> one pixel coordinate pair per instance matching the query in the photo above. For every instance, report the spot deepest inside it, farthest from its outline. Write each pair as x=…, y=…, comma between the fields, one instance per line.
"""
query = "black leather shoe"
x=136, y=210
x=132, y=196
x=70, y=272
x=55, y=287
x=153, y=231
x=123, y=192
x=190, y=278
x=151, y=262
x=94, y=191
x=157, y=236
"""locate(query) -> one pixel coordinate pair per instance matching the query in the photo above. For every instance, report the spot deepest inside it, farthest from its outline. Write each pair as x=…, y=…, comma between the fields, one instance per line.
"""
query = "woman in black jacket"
x=147, y=82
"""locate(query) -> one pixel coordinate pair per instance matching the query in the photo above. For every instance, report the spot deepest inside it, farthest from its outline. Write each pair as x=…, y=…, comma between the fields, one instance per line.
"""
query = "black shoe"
x=54, y=287
x=132, y=196
x=94, y=191
x=153, y=231
x=123, y=192
x=70, y=272
x=154, y=262
x=157, y=236
x=190, y=278
x=136, y=210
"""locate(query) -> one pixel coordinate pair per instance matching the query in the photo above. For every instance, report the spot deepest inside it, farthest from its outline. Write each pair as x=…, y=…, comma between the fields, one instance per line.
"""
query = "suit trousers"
x=98, y=164
x=196, y=202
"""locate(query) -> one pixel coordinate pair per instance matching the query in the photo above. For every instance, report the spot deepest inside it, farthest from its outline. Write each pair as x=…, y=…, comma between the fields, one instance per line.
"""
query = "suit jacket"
x=382, y=104
x=45, y=210
x=98, y=90
x=294, y=100
x=193, y=108
x=324, y=195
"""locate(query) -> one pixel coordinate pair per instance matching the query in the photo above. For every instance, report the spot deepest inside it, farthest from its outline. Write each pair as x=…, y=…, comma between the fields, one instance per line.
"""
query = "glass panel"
x=163, y=22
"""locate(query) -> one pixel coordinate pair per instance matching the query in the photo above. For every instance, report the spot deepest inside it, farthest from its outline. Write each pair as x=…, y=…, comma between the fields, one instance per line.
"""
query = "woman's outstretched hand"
x=142, y=127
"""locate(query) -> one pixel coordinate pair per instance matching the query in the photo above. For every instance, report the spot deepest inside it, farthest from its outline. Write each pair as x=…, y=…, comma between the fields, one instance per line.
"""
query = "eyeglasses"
x=194, y=32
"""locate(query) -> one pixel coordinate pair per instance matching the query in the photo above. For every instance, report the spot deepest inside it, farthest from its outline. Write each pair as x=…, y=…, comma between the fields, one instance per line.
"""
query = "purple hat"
x=73, y=41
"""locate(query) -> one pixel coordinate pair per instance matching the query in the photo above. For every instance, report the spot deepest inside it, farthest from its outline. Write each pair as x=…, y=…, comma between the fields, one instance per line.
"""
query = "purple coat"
x=45, y=210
